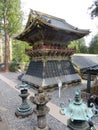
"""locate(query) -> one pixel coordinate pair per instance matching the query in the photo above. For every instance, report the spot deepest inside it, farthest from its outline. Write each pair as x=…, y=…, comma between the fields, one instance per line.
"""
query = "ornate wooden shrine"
x=49, y=38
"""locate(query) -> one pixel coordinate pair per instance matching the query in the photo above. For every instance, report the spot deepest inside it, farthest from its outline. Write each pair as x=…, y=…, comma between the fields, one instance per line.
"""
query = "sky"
x=75, y=12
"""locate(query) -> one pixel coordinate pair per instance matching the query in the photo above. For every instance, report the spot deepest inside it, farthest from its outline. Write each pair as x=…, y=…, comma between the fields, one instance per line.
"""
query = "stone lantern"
x=40, y=99
x=78, y=112
x=24, y=109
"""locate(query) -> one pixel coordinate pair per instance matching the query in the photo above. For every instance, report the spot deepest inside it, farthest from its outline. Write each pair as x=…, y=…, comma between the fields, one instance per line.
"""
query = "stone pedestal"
x=24, y=109
x=41, y=118
x=78, y=125
x=41, y=121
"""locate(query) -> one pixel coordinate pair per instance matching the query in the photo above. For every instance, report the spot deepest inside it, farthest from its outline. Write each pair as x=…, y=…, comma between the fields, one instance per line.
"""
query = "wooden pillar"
x=88, y=81
x=43, y=74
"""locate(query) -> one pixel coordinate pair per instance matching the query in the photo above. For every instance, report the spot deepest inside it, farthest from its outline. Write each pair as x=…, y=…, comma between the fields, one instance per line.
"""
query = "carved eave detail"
x=46, y=53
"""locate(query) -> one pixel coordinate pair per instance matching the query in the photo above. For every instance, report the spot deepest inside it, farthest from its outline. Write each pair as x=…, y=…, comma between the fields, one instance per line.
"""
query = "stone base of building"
x=50, y=74
x=78, y=125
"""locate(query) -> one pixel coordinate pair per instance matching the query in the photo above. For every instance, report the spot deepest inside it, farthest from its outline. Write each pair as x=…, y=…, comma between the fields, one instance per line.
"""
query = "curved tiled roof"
x=85, y=61
x=54, y=22
x=41, y=25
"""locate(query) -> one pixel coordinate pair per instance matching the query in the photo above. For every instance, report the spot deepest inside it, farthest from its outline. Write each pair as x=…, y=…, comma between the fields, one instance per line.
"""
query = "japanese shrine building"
x=50, y=56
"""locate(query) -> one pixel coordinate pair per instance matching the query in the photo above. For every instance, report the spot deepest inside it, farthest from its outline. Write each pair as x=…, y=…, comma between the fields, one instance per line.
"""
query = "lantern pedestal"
x=78, y=125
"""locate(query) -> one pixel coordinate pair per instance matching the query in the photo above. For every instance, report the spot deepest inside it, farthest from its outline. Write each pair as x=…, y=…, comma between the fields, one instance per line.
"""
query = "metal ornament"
x=78, y=112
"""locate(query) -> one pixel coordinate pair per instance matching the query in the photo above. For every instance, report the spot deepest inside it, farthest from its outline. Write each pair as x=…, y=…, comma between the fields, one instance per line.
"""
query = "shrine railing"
x=50, y=52
x=46, y=47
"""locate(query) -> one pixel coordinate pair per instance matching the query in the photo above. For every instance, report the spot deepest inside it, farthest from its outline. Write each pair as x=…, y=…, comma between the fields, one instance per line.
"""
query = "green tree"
x=19, y=51
x=74, y=44
x=10, y=22
x=94, y=9
x=93, y=48
x=80, y=46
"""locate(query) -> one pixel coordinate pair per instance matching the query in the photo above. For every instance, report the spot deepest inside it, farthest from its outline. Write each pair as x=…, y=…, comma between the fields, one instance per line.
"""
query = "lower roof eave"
x=44, y=82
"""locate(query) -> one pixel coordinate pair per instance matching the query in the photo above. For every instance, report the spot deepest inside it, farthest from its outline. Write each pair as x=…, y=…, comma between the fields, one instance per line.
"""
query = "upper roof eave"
x=41, y=18
x=44, y=18
x=27, y=29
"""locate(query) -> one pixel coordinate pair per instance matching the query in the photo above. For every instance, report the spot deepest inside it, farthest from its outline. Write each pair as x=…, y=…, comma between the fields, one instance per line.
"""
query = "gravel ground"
x=11, y=101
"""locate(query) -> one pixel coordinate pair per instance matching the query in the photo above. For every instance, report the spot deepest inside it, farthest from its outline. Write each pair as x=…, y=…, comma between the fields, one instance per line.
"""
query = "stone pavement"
x=4, y=125
x=10, y=100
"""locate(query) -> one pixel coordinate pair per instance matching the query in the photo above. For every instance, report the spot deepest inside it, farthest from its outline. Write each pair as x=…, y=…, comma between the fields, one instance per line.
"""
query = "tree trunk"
x=10, y=49
x=1, y=50
x=6, y=52
x=6, y=45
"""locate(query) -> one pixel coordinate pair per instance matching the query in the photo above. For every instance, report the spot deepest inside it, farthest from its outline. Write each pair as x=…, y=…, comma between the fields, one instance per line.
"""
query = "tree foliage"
x=80, y=46
x=11, y=11
x=94, y=9
x=93, y=48
x=10, y=22
x=19, y=51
